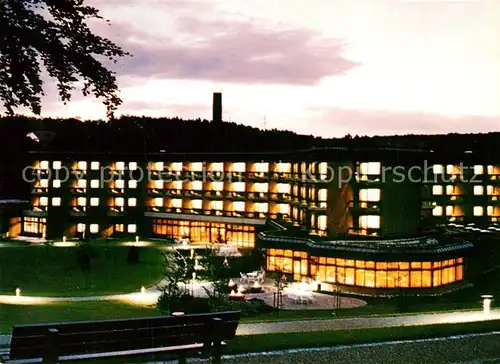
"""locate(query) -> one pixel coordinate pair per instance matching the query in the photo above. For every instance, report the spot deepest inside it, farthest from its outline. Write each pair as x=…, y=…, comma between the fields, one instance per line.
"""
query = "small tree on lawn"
x=176, y=271
x=217, y=273
x=280, y=283
x=84, y=255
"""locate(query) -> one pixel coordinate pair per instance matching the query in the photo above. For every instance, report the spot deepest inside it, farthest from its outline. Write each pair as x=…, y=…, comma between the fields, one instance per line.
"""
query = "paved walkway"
x=366, y=322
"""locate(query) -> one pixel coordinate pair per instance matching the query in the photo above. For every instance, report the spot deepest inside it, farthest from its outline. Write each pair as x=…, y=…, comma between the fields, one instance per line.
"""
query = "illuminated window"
x=478, y=169
x=238, y=206
x=94, y=166
x=489, y=210
x=120, y=166
x=437, y=169
x=197, y=166
x=177, y=166
x=44, y=165
x=119, y=228
x=94, y=183
x=119, y=201
x=131, y=228
x=260, y=187
x=489, y=169
x=132, y=166
x=119, y=183
x=196, y=204
x=177, y=185
x=56, y=164
x=81, y=183
x=217, y=167
x=197, y=185
x=370, y=168
x=369, y=222
x=158, y=202
x=56, y=201
x=177, y=203
x=238, y=167
x=478, y=190
x=158, y=166
x=323, y=168
x=81, y=201
x=56, y=183
x=437, y=190
x=82, y=165
x=132, y=202
x=284, y=209
x=216, y=205
x=262, y=167
x=450, y=168
x=132, y=184
x=370, y=194
x=94, y=201
x=449, y=210
x=437, y=211
x=449, y=190
x=80, y=228
x=284, y=167
x=94, y=228
x=322, y=195
x=44, y=183
x=238, y=186
x=478, y=210
x=217, y=186
x=158, y=184
x=322, y=222
x=489, y=190
x=261, y=207
x=283, y=188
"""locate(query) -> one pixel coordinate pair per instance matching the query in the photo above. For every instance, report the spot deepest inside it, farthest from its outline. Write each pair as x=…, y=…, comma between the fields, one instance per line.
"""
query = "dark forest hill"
x=134, y=134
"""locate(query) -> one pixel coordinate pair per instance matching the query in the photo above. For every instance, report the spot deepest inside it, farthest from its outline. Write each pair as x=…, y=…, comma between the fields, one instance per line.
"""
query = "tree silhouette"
x=63, y=43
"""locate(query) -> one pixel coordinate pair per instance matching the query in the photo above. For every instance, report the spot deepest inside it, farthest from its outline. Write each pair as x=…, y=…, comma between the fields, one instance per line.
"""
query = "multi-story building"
x=361, y=218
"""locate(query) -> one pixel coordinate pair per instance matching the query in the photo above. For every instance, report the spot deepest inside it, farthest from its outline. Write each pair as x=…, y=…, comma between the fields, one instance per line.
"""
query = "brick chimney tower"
x=217, y=108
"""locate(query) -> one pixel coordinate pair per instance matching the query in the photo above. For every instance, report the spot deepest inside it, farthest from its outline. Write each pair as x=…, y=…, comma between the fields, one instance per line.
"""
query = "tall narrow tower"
x=217, y=108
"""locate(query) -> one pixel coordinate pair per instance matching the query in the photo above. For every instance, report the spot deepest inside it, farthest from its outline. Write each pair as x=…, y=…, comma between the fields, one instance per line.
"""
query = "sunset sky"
x=322, y=67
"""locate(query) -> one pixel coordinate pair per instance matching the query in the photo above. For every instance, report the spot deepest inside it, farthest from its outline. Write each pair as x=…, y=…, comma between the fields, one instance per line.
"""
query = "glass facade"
x=34, y=225
x=206, y=232
x=365, y=273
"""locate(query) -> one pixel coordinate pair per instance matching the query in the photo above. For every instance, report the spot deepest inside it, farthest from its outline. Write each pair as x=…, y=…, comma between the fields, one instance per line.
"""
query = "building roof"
x=416, y=245
x=313, y=154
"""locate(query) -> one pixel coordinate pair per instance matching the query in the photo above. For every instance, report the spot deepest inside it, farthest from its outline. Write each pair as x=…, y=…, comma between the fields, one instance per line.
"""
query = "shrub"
x=133, y=255
x=185, y=303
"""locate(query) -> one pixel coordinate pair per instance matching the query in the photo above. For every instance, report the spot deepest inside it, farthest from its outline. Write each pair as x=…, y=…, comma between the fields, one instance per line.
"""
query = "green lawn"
x=54, y=271
x=11, y=315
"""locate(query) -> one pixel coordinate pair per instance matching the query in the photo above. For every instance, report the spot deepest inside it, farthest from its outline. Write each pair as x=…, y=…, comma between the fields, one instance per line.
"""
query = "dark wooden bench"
x=182, y=336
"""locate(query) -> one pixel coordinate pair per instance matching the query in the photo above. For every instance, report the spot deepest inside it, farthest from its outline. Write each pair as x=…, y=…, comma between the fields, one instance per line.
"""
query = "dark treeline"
x=133, y=134
x=143, y=134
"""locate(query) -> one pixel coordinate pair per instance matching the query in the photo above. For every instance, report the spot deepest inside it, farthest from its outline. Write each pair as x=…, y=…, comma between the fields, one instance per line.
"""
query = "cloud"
x=228, y=51
x=337, y=122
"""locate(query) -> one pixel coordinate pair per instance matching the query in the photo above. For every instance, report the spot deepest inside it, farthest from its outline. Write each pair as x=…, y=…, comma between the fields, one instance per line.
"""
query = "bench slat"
x=136, y=335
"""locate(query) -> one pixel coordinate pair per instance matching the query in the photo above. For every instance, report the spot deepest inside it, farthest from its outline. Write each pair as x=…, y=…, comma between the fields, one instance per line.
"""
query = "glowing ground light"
x=487, y=303
x=143, y=289
x=18, y=292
